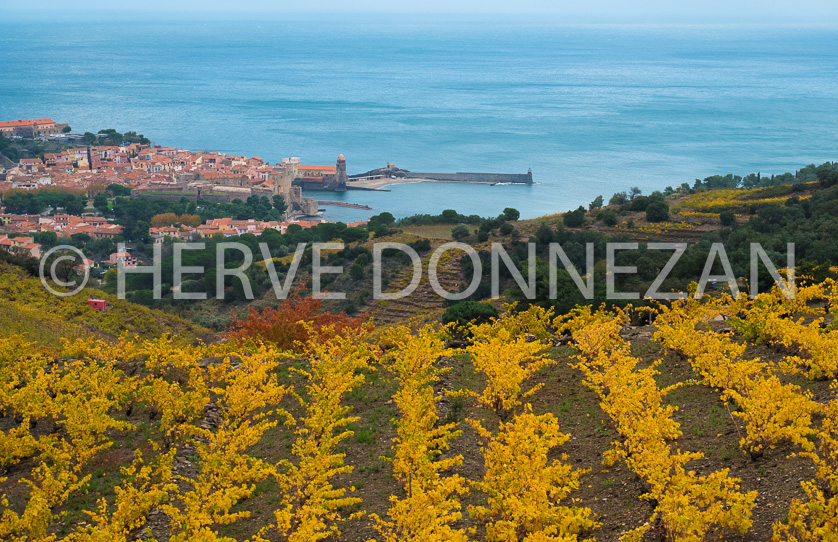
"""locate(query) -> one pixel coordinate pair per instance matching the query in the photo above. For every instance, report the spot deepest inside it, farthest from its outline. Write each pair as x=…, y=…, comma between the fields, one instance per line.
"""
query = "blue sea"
x=591, y=109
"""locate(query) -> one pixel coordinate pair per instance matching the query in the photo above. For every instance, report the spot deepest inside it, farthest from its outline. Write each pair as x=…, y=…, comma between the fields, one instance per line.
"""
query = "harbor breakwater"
x=462, y=177
x=346, y=204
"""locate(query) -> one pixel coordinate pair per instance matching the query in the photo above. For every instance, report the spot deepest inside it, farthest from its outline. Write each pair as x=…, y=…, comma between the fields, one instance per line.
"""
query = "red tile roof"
x=25, y=122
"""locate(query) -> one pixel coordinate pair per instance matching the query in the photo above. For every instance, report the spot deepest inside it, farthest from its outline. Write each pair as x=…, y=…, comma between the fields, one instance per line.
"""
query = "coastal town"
x=152, y=172
x=156, y=171
x=90, y=165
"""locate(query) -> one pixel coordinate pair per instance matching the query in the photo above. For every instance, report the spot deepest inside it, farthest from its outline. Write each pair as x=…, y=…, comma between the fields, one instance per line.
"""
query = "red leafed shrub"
x=297, y=320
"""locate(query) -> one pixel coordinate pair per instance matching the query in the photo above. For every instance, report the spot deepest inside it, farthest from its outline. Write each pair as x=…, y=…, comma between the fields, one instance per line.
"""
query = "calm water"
x=592, y=110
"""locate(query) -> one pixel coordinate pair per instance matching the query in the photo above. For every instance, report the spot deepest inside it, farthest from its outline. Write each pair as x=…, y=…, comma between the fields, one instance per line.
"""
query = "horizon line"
x=24, y=14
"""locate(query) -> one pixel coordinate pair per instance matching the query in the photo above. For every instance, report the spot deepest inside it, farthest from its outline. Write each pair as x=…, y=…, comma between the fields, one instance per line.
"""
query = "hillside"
x=28, y=309
x=772, y=216
x=700, y=216
x=682, y=420
x=523, y=379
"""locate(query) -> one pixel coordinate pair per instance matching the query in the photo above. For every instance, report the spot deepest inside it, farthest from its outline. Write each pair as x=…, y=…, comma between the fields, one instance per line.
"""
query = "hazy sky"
x=734, y=11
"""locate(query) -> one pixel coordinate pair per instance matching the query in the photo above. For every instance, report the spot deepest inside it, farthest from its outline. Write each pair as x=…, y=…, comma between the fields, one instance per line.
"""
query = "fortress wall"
x=190, y=196
x=169, y=197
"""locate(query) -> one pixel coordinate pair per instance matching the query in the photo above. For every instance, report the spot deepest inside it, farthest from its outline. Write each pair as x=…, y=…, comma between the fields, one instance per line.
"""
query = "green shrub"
x=460, y=232
x=574, y=219
x=608, y=217
x=657, y=211
x=356, y=271
x=728, y=218
x=467, y=312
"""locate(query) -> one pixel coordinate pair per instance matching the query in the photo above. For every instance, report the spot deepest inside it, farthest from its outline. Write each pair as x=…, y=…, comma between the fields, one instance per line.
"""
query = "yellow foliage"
x=503, y=353
x=310, y=506
x=146, y=487
x=729, y=198
x=688, y=505
x=535, y=321
x=771, y=317
x=816, y=519
x=431, y=500
x=524, y=488
x=77, y=397
x=773, y=412
x=246, y=396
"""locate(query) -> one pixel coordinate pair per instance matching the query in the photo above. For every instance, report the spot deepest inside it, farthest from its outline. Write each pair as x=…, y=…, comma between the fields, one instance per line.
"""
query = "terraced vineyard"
x=538, y=428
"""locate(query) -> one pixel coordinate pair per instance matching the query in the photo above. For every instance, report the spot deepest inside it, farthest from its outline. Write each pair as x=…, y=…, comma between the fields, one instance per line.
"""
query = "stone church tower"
x=340, y=177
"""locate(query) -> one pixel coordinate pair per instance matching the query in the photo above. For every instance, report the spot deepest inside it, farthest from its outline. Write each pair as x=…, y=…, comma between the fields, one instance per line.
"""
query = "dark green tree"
x=511, y=214
x=449, y=215
x=618, y=198
x=47, y=239
x=119, y=190
x=279, y=204
x=100, y=202
x=75, y=206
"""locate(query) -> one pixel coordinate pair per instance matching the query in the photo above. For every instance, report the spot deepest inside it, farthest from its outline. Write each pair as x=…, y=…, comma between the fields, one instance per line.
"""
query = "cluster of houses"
x=131, y=165
x=62, y=225
x=231, y=228
x=22, y=245
x=99, y=228
x=96, y=227
x=156, y=171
